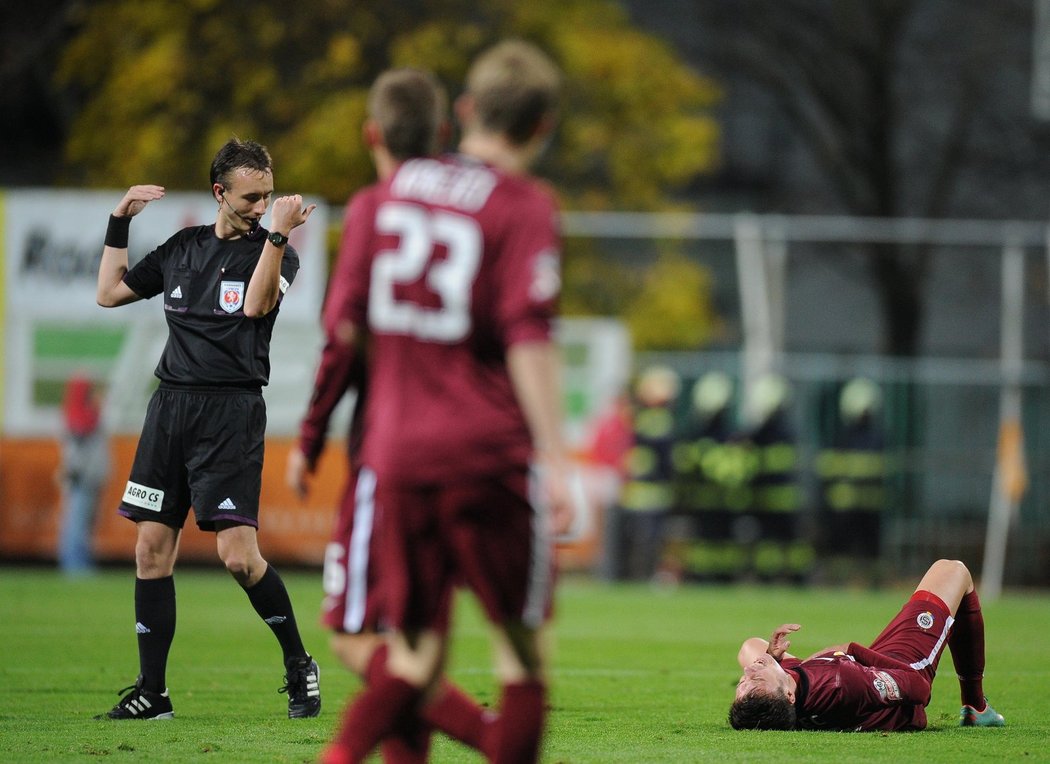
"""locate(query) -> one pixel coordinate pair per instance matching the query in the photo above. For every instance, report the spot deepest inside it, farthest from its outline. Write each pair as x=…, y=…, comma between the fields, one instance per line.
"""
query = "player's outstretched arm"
x=111, y=290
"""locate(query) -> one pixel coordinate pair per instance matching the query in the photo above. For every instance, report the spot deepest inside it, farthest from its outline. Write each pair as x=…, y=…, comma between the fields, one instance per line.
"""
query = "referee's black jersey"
x=204, y=280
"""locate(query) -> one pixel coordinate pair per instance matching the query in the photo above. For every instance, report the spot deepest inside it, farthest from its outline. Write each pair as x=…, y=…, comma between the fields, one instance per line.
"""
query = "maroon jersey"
x=859, y=691
x=447, y=264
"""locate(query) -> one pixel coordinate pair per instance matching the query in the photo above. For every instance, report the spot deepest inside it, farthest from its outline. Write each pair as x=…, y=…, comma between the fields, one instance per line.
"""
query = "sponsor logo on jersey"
x=143, y=496
x=284, y=285
x=231, y=296
x=925, y=620
x=886, y=686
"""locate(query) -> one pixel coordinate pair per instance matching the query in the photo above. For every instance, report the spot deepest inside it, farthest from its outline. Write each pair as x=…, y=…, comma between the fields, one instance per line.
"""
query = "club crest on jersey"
x=925, y=620
x=886, y=686
x=231, y=296
x=546, y=276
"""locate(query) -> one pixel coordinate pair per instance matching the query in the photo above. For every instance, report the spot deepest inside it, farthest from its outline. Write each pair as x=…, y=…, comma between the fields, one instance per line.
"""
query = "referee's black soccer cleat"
x=140, y=704
x=302, y=683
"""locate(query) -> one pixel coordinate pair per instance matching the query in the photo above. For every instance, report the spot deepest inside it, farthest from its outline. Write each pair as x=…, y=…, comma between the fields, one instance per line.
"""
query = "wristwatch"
x=277, y=238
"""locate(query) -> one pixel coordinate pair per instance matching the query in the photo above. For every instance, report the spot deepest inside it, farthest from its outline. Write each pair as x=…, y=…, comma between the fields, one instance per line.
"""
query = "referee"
x=202, y=439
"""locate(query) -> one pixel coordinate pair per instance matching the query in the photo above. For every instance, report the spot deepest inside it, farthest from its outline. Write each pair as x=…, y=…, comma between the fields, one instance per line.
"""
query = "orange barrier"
x=292, y=530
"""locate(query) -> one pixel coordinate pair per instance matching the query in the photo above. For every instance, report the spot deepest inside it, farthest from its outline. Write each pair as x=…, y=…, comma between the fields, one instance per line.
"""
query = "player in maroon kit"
x=454, y=274
x=882, y=687
x=407, y=117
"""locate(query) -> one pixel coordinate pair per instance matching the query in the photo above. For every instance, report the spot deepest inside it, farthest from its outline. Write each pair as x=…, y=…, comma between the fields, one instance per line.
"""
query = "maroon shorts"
x=351, y=597
x=918, y=634
x=483, y=534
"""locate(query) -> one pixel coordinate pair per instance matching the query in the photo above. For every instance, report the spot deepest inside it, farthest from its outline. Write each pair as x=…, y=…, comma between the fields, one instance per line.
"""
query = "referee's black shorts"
x=200, y=447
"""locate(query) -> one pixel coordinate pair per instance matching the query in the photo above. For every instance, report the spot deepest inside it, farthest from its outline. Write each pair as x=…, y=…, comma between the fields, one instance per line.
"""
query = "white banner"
x=53, y=241
x=50, y=245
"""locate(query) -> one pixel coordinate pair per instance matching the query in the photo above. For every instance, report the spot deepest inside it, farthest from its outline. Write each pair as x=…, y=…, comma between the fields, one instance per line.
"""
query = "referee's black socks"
x=270, y=599
x=155, y=627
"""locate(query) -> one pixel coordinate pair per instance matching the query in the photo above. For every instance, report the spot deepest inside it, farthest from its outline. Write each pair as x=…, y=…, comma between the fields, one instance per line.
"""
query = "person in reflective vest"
x=634, y=531
x=852, y=473
x=773, y=528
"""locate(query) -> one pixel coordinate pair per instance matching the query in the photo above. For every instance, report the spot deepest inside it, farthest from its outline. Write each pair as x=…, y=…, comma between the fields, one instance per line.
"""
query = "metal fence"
x=796, y=300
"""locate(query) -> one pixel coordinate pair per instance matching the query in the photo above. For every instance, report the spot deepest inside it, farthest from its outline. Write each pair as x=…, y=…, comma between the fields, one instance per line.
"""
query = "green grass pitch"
x=639, y=675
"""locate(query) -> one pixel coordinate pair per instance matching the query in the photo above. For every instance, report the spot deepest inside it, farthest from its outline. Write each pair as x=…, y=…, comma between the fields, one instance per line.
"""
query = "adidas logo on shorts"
x=176, y=292
x=227, y=503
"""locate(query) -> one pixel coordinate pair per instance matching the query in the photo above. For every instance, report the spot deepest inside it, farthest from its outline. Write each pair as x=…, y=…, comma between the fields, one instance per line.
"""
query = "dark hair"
x=762, y=711
x=409, y=105
x=235, y=154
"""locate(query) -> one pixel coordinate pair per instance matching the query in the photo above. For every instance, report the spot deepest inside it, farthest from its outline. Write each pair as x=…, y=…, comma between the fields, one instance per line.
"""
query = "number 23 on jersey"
x=420, y=232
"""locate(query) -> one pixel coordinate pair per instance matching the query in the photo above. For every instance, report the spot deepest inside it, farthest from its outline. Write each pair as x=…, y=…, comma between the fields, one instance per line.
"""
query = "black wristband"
x=117, y=232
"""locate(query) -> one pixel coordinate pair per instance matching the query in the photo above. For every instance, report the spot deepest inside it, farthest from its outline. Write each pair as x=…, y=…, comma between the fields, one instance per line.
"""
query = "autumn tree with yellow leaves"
x=160, y=84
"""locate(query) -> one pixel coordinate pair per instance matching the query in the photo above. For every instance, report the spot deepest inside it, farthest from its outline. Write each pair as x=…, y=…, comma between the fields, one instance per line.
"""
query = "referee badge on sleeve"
x=231, y=296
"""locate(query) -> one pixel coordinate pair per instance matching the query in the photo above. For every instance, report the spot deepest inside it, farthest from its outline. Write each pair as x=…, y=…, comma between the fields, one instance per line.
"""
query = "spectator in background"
x=605, y=454
x=712, y=479
x=852, y=474
x=773, y=527
x=634, y=533
x=82, y=473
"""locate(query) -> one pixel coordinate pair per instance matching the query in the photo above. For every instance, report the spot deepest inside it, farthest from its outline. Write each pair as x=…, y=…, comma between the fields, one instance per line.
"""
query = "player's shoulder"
x=364, y=200
x=521, y=197
x=531, y=189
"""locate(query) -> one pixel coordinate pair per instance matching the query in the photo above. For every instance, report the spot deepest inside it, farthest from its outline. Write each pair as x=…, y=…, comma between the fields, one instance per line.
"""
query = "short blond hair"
x=409, y=105
x=515, y=85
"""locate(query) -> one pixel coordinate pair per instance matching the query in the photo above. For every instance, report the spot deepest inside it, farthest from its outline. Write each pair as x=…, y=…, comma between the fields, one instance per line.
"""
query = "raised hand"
x=136, y=199
x=779, y=643
x=288, y=213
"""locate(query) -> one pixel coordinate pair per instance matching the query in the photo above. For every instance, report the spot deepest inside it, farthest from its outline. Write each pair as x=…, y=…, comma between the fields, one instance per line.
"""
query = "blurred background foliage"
x=877, y=108
x=160, y=84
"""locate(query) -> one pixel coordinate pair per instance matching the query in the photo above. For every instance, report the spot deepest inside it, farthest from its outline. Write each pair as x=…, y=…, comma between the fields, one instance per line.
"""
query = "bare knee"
x=355, y=650
x=418, y=658
x=151, y=562
x=520, y=653
x=956, y=569
x=948, y=579
x=155, y=550
x=239, y=551
x=247, y=569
